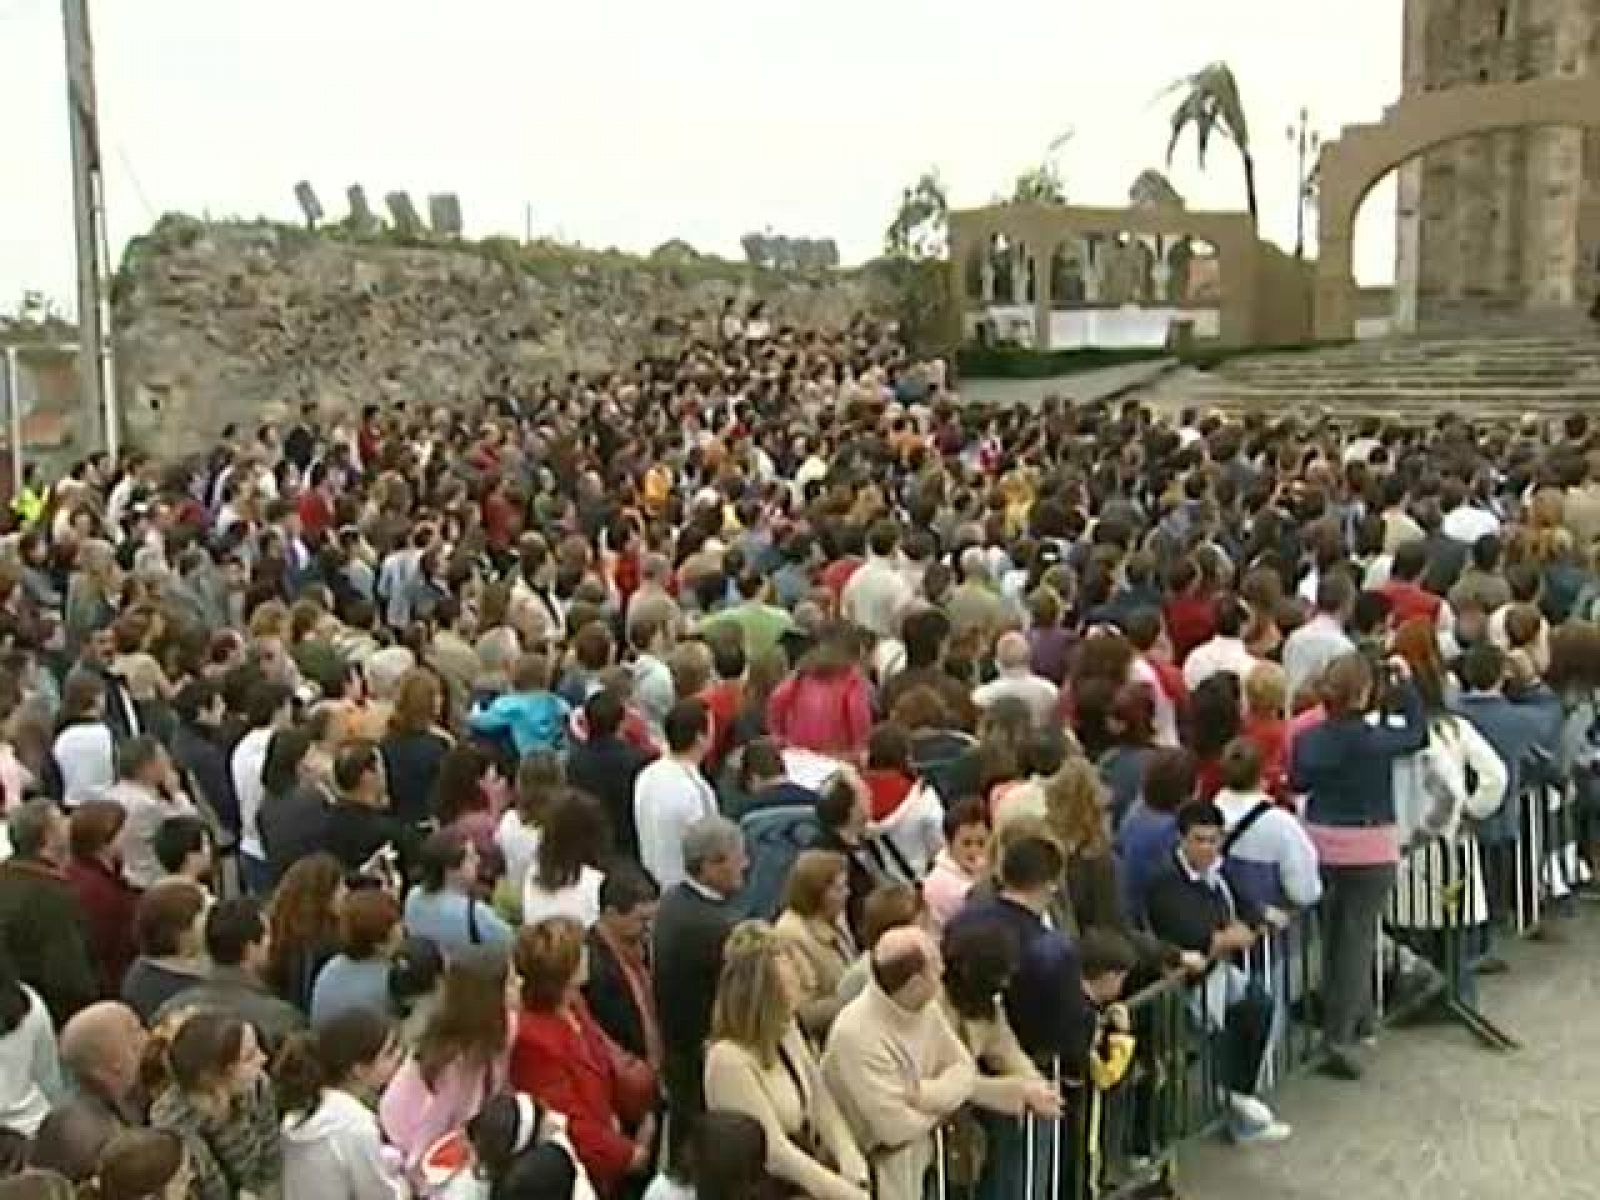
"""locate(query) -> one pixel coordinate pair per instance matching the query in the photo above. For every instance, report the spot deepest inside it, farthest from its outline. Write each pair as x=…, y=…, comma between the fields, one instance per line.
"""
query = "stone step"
x=1459, y=345
x=1377, y=390
x=1541, y=369
x=1463, y=354
x=1425, y=414
x=1363, y=353
x=1466, y=376
x=1490, y=375
x=1382, y=384
x=1547, y=355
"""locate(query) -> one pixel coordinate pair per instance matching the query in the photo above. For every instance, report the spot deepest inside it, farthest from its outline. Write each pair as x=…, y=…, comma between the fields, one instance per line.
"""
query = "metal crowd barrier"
x=1123, y=1144
x=1548, y=869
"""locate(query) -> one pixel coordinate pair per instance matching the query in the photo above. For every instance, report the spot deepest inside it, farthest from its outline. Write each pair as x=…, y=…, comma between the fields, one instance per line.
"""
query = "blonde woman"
x=759, y=1064
x=1076, y=815
x=813, y=923
x=1077, y=810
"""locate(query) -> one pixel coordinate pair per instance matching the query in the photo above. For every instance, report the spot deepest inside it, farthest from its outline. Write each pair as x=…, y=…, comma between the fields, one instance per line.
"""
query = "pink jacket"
x=945, y=889
x=829, y=715
x=414, y=1116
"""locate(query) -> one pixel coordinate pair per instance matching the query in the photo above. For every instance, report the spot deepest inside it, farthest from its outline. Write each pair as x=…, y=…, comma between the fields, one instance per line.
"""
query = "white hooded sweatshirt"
x=337, y=1153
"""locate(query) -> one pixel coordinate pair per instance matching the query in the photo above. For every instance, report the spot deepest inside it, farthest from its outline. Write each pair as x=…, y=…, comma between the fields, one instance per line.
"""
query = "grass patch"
x=1021, y=362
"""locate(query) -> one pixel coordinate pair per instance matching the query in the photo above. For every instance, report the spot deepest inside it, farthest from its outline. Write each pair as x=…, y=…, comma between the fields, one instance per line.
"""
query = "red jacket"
x=1271, y=736
x=625, y=573
x=316, y=513
x=108, y=906
x=574, y=1068
x=502, y=520
x=1170, y=677
x=1191, y=621
x=723, y=700
x=1408, y=601
x=826, y=714
x=837, y=573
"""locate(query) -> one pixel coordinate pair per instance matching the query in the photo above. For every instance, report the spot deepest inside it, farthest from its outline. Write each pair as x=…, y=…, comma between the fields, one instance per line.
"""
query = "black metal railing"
x=1123, y=1143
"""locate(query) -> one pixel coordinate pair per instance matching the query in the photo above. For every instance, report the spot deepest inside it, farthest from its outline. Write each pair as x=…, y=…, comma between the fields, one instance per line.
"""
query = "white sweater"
x=30, y=1071
x=337, y=1153
x=915, y=831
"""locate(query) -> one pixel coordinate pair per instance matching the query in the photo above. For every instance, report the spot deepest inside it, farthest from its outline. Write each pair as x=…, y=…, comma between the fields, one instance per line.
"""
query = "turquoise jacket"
x=534, y=720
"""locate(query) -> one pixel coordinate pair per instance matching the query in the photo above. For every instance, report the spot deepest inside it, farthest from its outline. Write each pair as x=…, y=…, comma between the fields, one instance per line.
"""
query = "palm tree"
x=1039, y=185
x=918, y=230
x=1212, y=105
x=1152, y=189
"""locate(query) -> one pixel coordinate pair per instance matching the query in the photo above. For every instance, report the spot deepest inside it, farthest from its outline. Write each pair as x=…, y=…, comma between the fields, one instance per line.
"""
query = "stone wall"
x=1502, y=223
x=219, y=323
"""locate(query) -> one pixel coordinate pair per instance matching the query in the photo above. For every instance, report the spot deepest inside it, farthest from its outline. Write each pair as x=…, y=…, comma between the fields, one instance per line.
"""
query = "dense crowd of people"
x=752, y=773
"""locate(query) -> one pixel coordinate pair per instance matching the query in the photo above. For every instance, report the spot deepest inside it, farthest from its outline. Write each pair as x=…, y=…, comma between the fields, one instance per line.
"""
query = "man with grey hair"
x=692, y=924
x=653, y=601
x=41, y=921
x=975, y=603
x=1013, y=660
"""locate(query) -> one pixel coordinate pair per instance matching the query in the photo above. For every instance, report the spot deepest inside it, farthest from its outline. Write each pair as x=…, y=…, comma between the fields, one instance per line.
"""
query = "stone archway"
x=1364, y=154
x=1265, y=296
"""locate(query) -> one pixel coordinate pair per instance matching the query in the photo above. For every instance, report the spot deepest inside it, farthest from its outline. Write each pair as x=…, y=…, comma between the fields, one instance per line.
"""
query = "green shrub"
x=1022, y=362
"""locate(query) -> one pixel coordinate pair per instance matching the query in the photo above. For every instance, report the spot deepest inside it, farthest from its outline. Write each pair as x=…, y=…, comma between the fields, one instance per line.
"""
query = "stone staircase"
x=1488, y=375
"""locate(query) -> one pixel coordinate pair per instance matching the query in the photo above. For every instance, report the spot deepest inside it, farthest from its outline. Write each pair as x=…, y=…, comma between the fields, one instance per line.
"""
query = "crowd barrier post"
x=1029, y=1128
x=1167, y=1098
x=1529, y=909
x=1430, y=912
x=1055, y=1141
x=1548, y=865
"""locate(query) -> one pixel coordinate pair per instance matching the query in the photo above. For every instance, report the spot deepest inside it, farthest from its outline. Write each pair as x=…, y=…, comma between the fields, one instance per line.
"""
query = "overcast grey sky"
x=626, y=122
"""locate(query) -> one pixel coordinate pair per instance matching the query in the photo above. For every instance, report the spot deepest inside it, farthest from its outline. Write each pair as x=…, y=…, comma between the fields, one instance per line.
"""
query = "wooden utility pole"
x=96, y=379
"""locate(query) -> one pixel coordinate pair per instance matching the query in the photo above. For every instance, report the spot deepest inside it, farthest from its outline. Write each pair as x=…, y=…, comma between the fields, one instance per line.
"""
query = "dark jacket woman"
x=411, y=766
x=294, y=808
x=108, y=902
x=41, y=927
x=1345, y=768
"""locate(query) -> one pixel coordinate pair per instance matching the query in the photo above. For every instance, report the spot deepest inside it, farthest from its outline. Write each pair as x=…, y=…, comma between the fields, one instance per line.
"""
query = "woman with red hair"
x=565, y=1061
x=1457, y=778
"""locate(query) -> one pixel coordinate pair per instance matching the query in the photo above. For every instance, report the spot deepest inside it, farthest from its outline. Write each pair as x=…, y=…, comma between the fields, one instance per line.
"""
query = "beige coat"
x=827, y=952
x=736, y=1081
x=1007, y=1070
x=897, y=1075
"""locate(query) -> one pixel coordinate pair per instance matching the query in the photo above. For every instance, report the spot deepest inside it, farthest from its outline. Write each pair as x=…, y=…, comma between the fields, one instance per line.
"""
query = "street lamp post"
x=1307, y=142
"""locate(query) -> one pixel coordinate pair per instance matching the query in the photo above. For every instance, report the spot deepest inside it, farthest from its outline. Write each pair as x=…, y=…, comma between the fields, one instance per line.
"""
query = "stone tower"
x=1501, y=225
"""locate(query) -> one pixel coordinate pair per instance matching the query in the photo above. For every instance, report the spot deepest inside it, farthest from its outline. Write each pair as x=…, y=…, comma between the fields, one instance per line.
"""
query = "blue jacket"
x=1345, y=766
x=1122, y=771
x=535, y=721
x=1515, y=728
x=1045, y=1001
x=1145, y=840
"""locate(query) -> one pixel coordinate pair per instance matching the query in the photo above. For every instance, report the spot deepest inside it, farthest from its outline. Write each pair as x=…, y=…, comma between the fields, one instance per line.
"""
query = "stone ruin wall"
x=1503, y=223
x=220, y=323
